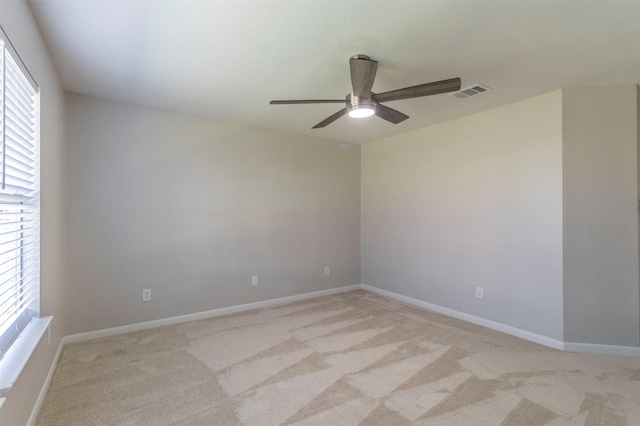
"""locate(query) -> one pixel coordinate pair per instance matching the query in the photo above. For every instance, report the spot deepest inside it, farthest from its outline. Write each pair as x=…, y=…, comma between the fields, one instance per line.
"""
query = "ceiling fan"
x=362, y=102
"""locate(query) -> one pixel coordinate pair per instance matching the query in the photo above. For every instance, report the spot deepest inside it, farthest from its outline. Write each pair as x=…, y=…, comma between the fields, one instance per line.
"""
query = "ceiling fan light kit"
x=362, y=102
x=360, y=107
x=361, y=112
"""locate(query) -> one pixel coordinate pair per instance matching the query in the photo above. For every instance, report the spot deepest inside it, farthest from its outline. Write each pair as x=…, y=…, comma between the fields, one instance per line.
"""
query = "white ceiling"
x=227, y=59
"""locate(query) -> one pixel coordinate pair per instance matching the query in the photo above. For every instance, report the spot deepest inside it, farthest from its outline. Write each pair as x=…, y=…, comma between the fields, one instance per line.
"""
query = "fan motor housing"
x=358, y=102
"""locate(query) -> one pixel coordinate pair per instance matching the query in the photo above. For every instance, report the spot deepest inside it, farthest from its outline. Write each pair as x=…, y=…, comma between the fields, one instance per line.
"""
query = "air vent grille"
x=474, y=90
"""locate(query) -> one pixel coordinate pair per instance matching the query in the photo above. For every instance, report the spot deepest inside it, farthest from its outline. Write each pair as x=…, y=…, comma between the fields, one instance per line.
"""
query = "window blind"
x=19, y=196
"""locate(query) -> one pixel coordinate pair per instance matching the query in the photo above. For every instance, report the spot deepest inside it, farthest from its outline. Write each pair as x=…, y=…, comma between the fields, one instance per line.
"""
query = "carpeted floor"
x=346, y=359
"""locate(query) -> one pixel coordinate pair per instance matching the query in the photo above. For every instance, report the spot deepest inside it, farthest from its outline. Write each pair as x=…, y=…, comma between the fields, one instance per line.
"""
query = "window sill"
x=20, y=351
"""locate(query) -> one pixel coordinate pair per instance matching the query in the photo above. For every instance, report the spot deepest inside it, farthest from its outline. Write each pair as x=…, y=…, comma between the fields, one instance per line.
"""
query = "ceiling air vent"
x=474, y=90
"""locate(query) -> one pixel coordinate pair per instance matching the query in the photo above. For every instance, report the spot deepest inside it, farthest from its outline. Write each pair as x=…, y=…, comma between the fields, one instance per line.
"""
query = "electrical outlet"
x=254, y=280
x=146, y=295
x=479, y=292
x=327, y=271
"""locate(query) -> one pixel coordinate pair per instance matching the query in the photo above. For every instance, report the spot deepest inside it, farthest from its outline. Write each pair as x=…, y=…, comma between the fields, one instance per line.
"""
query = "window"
x=19, y=196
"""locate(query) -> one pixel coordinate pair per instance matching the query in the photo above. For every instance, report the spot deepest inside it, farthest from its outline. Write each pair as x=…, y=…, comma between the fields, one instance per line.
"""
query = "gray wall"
x=600, y=178
x=192, y=208
x=18, y=23
x=471, y=202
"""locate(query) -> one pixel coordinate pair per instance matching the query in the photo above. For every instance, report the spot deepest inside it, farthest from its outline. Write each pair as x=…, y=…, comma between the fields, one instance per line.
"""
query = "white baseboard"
x=81, y=337
x=602, y=349
x=45, y=386
x=507, y=329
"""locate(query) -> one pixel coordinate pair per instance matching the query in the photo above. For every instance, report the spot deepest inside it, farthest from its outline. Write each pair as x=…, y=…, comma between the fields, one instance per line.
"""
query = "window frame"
x=26, y=328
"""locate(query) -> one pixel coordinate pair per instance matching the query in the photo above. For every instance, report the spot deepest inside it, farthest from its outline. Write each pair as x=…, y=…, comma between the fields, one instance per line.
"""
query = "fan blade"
x=308, y=101
x=363, y=72
x=330, y=119
x=427, y=89
x=390, y=114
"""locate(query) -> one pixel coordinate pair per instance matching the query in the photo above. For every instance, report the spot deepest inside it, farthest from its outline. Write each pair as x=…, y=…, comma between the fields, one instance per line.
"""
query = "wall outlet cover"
x=146, y=295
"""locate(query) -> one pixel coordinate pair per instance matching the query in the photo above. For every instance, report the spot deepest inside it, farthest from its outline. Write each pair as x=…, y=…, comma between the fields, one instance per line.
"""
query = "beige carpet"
x=347, y=359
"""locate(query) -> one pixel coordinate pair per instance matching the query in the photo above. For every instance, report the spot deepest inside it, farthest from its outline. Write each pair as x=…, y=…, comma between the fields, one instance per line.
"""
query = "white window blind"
x=19, y=196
